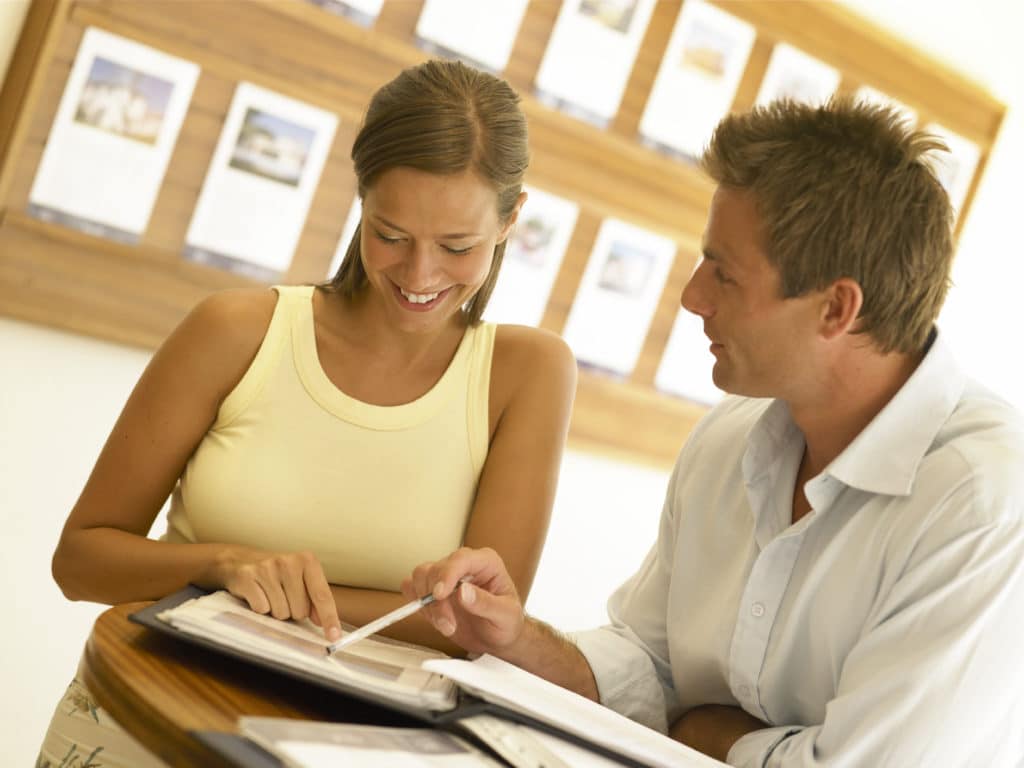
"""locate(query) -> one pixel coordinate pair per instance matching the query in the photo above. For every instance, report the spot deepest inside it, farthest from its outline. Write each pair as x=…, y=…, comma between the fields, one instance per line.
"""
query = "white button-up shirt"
x=882, y=629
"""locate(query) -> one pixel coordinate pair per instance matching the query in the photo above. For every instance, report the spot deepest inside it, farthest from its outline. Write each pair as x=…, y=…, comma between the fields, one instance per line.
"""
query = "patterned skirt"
x=84, y=735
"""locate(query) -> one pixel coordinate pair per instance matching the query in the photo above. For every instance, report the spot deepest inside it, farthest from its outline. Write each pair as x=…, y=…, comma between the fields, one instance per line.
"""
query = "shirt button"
x=744, y=691
x=757, y=610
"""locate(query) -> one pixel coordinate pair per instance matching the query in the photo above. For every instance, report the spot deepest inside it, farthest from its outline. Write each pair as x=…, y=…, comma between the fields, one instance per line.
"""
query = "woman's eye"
x=721, y=277
x=384, y=238
x=457, y=251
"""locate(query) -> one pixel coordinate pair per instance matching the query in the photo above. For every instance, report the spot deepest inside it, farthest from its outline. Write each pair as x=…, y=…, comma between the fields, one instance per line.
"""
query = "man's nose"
x=695, y=297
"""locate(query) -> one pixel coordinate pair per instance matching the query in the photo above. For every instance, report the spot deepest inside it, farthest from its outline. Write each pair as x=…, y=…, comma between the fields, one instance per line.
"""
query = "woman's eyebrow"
x=449, y=236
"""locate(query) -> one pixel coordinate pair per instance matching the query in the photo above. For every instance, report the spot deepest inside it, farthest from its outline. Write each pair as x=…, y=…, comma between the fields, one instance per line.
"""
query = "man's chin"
x=721, y=380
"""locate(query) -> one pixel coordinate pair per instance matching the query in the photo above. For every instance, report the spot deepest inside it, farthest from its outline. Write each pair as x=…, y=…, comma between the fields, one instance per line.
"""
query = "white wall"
x=60, y=393
x=59, y=396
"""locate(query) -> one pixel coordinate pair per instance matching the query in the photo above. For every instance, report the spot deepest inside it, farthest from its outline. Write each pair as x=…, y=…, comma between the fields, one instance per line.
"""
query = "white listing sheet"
x=686, y=363
x=362, y=12
x=264, y=171
x=533, y=257
x=955, y=168
x=481, y=32
x=355, y=213
x=618, y=294
x=590, y=55
x=698, y=77
x=116, y=126
x=792, y=74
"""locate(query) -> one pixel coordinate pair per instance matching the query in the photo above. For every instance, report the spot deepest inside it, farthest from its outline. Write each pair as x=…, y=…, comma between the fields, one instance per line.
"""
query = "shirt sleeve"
x=629, y=657
x=934, y=678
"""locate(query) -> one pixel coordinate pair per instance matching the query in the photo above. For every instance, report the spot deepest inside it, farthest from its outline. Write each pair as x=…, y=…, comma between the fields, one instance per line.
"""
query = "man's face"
x=761, y=342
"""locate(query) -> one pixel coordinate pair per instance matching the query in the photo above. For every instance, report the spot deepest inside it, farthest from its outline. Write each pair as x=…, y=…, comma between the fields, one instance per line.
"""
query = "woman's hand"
x=287, y=585
x=476, y=604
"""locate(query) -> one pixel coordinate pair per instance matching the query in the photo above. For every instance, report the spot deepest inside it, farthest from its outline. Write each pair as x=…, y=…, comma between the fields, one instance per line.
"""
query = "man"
x=839, y=573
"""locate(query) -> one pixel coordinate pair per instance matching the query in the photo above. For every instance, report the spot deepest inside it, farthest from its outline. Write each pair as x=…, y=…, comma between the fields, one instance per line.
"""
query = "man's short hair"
x=846, y=190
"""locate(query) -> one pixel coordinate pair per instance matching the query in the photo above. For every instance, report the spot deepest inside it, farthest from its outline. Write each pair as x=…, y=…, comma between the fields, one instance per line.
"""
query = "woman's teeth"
x=419, y=298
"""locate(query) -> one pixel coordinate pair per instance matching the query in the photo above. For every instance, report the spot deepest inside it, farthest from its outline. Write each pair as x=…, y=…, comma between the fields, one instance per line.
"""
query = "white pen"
x=377, y=625
x=383, y=622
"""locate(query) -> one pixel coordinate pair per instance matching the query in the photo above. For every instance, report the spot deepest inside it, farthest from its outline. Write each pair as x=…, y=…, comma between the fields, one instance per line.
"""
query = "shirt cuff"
x=625, y=676
x=755, y=748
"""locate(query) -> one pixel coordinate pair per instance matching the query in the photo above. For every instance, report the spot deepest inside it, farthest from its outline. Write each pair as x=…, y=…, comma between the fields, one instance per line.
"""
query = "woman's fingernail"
x=333, y=634
x=467, y=593
x=445, y=627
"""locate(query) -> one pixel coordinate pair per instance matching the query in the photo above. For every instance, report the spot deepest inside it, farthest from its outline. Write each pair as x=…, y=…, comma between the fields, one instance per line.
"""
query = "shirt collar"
x=885, y=456
x=771, y=435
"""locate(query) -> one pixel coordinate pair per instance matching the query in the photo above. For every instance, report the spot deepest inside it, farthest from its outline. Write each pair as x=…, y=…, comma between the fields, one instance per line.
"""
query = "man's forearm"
x=547, y=653
x=714, y=728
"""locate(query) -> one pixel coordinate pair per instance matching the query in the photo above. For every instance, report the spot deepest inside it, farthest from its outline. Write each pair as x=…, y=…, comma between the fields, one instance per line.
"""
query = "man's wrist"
x=548, y=653
x=520, y=650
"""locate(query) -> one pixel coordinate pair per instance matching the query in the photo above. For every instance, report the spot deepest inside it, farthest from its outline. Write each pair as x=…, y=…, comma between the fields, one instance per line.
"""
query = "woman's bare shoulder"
x=241, y=315
x=524, y=353
x=222, y=333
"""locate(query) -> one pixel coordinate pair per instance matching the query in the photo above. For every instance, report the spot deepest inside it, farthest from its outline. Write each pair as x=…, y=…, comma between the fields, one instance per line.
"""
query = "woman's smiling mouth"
x=420, y=302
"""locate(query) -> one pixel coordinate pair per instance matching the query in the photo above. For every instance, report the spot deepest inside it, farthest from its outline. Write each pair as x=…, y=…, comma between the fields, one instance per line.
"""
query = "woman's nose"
x=420, y=266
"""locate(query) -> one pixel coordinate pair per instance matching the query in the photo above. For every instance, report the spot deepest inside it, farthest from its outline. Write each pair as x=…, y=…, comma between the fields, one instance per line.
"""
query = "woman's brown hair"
x=441, y=117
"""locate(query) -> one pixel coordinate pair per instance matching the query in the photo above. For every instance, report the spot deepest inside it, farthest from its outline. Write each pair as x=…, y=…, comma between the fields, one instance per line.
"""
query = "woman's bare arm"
x=104, y=555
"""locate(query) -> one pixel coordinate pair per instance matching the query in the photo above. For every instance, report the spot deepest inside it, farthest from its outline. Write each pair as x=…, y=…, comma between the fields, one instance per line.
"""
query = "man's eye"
x=721, y=277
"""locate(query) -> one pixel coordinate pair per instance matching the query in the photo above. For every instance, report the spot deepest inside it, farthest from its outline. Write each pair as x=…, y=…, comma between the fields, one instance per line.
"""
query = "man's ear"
x=842, y=302
x=511, y=221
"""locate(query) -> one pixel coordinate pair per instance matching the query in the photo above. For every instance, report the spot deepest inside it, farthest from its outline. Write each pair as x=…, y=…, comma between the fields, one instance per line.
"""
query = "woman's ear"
x=511, y=221
x=843, y=300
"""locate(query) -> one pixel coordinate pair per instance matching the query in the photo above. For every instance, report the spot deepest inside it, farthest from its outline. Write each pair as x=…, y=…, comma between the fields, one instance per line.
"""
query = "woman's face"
x=427, y=243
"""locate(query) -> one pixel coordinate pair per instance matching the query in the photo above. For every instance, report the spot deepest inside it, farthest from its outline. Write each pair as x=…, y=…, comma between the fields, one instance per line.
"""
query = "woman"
x=319, y=442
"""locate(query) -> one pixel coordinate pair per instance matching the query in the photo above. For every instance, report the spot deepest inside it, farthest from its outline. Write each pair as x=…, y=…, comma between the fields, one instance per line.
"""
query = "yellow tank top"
x=293, y=463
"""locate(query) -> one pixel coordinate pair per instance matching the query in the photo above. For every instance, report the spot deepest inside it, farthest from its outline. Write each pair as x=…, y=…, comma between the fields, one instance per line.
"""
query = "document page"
x=523, y=746
x=516, y=689
x=387, y=668
x=308, y=744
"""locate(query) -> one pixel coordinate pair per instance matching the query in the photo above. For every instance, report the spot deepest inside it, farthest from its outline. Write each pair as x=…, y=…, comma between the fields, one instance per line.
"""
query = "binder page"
x=516, y=689
x=309, y=744
x=384, y=667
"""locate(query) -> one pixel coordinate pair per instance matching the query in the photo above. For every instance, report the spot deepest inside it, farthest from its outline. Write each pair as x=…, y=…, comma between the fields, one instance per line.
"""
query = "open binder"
x=486, y=686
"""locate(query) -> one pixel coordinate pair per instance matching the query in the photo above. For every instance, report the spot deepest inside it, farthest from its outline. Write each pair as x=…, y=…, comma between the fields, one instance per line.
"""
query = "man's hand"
x=714, y=728
x=484, y=613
